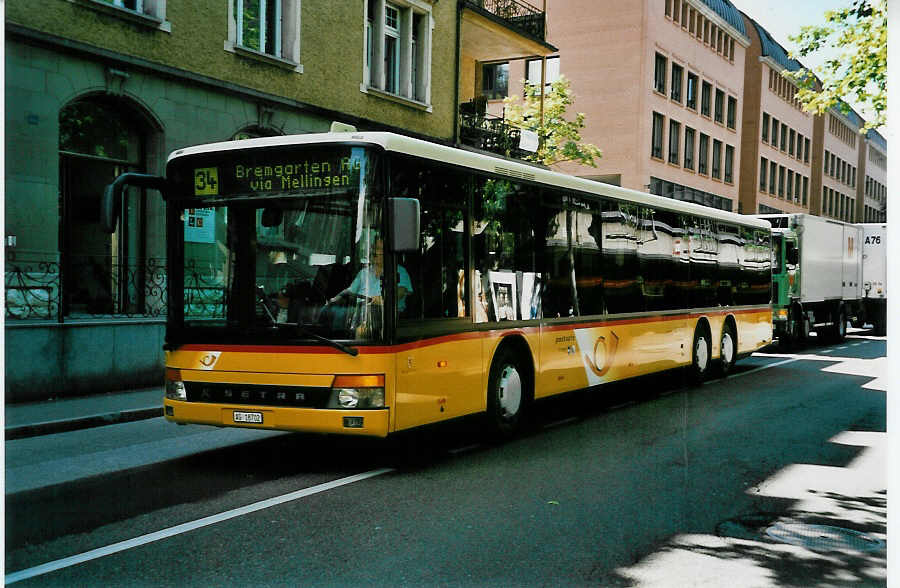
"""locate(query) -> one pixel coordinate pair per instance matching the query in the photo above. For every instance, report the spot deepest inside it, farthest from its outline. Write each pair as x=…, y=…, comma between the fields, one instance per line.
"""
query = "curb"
x=86, y=422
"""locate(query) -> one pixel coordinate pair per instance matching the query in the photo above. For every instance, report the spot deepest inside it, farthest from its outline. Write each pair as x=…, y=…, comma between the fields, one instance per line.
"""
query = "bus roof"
x=476, y=161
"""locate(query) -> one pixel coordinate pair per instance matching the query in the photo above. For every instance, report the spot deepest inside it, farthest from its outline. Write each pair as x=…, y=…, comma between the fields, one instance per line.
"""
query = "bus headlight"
x=360, y=397
x=357, y=392
x=175, y=389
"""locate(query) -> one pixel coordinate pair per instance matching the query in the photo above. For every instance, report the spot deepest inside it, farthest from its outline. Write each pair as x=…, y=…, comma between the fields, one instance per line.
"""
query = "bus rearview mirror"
x=405, y=215
x=111, y=202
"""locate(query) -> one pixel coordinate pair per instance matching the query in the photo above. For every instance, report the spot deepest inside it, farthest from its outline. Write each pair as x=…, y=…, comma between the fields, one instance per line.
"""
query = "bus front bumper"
x=372, y=423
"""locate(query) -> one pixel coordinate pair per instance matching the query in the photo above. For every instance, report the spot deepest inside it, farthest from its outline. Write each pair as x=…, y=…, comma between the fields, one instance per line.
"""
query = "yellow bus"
x=367, y=283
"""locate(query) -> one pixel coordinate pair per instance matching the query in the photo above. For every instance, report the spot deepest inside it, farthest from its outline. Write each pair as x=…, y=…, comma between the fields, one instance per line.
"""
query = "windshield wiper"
x=352, y=351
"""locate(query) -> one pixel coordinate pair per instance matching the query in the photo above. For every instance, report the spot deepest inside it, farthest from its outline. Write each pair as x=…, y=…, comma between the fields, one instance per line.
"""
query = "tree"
x=858, y=72
x=560, y=139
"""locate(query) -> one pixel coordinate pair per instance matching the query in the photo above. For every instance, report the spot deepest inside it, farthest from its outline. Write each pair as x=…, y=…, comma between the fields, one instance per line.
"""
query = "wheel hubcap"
x=727, y=348
x=702, y=354
x=509, y=391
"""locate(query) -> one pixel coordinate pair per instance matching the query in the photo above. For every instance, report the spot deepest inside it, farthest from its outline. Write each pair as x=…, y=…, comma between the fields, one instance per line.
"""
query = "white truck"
x=817, y=282
x=875, y=275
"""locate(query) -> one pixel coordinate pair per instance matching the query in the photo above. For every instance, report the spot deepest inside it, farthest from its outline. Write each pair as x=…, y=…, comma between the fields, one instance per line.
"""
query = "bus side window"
x=503, y=248
x=437, y=270
x=621, y=268
x=557, y=296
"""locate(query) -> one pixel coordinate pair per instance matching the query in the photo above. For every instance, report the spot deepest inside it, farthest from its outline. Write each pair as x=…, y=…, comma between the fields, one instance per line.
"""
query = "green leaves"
x=560, y=138
x=859, y=73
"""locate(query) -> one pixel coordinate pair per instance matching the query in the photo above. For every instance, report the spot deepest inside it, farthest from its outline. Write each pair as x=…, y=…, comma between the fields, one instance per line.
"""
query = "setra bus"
x=367, y=283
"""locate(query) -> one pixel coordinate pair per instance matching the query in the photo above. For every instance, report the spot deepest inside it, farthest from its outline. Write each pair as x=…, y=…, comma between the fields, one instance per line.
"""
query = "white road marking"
x=186, y=527
x=762, y=367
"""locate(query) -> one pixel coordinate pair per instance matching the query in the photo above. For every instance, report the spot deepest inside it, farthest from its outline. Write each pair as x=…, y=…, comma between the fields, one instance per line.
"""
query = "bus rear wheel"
x=509, y=392
x=728, y=350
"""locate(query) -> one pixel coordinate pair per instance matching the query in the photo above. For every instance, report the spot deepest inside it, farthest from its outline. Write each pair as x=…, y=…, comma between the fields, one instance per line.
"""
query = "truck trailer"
x=875, y=276
x=817, y=282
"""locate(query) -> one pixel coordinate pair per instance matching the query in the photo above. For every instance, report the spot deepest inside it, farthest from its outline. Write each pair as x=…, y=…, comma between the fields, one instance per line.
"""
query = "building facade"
x=661, y=83
x=872, y=190
x=778, y=136
x=95, y=88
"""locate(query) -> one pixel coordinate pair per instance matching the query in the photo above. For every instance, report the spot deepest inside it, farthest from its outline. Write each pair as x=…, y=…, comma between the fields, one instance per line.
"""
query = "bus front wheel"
x=509, y=392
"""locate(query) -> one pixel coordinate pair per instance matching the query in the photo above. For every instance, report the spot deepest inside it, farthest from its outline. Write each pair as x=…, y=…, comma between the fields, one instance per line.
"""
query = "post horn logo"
x=208, y=360
x=604, y=354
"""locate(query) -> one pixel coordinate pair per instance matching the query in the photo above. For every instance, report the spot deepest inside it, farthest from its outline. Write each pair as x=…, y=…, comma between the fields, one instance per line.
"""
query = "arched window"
x=99, y=138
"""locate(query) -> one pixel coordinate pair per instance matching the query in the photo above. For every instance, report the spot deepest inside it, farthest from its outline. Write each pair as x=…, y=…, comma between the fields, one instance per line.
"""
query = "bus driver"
x=367, y=283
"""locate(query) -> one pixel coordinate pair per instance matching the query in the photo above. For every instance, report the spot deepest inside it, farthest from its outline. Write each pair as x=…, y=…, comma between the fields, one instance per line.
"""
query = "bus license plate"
x=248, y=417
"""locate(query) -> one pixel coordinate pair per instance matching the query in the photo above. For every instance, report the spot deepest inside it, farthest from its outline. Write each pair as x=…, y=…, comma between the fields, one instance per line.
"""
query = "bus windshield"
x=286, y=258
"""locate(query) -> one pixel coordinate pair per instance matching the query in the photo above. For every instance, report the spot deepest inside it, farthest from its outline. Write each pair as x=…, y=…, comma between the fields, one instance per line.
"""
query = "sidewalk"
x=31, y=419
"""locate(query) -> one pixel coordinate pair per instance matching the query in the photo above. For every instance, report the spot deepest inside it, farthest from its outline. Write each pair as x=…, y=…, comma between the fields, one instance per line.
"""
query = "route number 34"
x=206, y=181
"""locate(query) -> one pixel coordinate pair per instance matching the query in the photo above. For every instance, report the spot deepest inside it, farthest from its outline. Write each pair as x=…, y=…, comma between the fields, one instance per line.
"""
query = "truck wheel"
x=509, y=392
x=728, y=349
x=801, y=328
x=839, y=330
x=700, y=355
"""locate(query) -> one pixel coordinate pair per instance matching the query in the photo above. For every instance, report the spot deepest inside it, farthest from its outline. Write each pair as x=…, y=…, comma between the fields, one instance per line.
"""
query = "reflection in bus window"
x=438, y=269
x=507, y=283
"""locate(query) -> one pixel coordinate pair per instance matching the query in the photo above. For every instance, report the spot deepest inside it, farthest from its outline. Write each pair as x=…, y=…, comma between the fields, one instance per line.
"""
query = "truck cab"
x=785, y=277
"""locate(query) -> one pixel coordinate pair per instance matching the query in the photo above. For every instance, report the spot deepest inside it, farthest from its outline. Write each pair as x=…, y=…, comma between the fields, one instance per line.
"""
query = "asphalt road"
x=645, y=483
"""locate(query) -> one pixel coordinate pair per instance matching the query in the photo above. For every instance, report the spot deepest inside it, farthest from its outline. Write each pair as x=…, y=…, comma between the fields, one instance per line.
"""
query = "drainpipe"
x=459, y=9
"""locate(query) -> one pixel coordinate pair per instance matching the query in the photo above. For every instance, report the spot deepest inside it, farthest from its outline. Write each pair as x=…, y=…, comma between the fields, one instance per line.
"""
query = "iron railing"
x=490, y=133
x=519, y=15
x=36, y=288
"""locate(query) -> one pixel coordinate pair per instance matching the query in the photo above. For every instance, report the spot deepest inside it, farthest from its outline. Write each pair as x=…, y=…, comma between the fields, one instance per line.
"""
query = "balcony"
x=488, y=133
x=517, y=15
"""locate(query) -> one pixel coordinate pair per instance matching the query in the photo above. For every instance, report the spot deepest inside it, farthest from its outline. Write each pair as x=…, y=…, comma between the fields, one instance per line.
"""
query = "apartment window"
x=692, y=81
x=798, y=180
x=833, y=166
x=729, y=163
x=703, y=157
x=656, y=140
x=659, y=78
x=550, y=75
x=773, y=172
x=398, y=49
x=784, y=130
x=674, y=141
x=774, y=133
x=677, y=76
x=765, y=127
x=793, y=138
x=705, y=97
x=730, y=49
x=790, y=185
x=676, y=13
x=732, y=112
x=720, y=106
x=270, y=27
x=763, y=169
x=669, y=8
x=717, y=159
x=495, y=80
x=825, y=168
x=691, y=18
x=688, y=148
x=781, y=181
x=684, y=14
x=805, y=190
